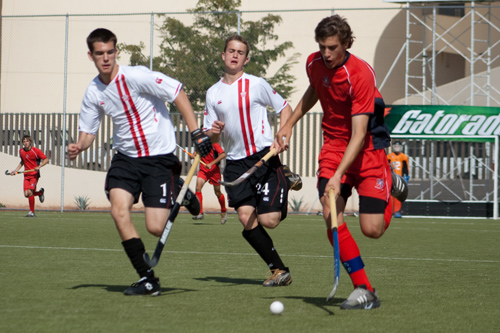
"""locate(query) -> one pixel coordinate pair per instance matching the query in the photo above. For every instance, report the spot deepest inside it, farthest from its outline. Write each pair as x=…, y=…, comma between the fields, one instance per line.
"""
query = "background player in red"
x=33, y=159
x=399, y=162
x=352, y=154
x=211, y=172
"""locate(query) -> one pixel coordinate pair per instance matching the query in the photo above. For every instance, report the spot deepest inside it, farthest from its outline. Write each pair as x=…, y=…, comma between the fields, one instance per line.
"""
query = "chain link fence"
x=45, y=70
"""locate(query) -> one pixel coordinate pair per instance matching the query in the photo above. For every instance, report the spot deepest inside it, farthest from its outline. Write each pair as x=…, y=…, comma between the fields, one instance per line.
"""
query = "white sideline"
x=245, y=254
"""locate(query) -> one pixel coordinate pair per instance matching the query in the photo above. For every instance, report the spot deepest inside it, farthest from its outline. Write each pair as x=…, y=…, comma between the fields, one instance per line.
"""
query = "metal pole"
x=63, y=129
x=434, y=14
x=407, y=65
x=239, y=22
x=472, y=31
x=151, y=34
x=495, y=179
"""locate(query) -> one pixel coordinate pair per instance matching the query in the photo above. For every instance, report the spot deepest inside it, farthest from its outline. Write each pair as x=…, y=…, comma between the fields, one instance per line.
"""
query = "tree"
x=193, y=53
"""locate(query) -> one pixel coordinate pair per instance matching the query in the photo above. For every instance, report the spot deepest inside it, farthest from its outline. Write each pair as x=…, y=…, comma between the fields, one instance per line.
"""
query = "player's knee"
x=271, y=220
x=118, y=213
x=372, y=230
x=155, y=230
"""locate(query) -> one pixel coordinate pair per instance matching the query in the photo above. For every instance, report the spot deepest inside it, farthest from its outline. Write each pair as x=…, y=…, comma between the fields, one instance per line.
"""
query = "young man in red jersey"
x=33, y=159
x=353, y=154
x=210, y=172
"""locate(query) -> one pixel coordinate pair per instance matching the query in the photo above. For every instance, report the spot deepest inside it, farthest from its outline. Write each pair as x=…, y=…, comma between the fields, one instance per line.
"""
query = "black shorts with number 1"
x=266, y=189
x=152, y=176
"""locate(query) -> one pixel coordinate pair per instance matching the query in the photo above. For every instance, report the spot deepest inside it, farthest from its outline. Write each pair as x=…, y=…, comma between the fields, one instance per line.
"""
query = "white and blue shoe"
x=361, y=299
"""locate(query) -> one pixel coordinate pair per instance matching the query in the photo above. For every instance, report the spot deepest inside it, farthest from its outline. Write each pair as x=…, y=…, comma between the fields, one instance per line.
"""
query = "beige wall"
x=91, y=184
x=37, y=54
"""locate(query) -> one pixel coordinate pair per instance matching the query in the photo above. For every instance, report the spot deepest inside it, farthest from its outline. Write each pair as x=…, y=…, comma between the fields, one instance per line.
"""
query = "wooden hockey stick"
x=7, y=173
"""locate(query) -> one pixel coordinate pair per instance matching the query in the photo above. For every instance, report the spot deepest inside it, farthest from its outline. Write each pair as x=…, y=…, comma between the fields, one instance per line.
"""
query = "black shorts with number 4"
x=266, y=189
x=155, y=177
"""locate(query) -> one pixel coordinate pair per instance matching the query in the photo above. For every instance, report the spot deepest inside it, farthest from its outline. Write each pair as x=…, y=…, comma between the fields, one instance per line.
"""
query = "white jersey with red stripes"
x=242, y=106
x=135, y=101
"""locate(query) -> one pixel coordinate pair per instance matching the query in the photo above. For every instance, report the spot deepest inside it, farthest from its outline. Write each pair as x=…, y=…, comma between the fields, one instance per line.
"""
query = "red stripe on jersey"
x=242, y=116
x=247, y=104
x=129, y=116
x=142, y=136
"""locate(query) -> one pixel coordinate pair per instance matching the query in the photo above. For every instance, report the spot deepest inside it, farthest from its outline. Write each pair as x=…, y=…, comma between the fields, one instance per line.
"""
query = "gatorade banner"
x=443, y=120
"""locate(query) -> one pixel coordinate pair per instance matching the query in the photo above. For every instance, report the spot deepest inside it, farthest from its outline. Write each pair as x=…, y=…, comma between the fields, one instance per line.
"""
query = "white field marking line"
x=245, y=254
x=439, y=229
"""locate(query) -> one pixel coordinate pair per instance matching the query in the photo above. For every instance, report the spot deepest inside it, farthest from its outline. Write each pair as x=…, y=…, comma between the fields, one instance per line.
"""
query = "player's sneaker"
x=42, y=196
x=398, y=215
x=294, y=179
x=31, y=214
x=277, y=277
x=199, y=217
x=190, y=201
x=145, y=286
x=399, y=188
x=361, y=299
x=223, y=217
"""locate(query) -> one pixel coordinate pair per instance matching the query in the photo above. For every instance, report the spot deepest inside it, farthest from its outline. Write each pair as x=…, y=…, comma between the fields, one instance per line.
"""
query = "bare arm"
x=218, y=159
x=215, y=131
x=186, y=109
x=284, y=116
x=84, y=141
x=306, y=103
x=359, y=127
x=44, y=162
x=19, y=166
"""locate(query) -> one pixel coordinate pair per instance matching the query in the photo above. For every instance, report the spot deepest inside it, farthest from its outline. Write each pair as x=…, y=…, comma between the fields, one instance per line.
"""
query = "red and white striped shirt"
x=135, y=101
x=242, y=106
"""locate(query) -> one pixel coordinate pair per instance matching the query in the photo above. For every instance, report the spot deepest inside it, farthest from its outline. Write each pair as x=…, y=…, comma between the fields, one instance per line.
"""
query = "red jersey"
x=31, y=159
x=346, y=91
x=210, y=157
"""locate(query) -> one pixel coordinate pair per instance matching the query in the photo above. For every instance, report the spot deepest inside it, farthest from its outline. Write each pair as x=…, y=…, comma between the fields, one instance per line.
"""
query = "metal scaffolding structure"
x=466, y=30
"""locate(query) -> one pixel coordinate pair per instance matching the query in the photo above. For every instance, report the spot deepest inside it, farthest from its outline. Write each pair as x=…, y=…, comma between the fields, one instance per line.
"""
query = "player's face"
x=26, y=144
x=235, y=57
x=104, y=57
x=332, y=51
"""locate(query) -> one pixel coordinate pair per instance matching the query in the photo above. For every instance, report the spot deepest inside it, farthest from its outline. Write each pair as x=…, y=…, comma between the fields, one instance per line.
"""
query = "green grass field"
x=65, y=272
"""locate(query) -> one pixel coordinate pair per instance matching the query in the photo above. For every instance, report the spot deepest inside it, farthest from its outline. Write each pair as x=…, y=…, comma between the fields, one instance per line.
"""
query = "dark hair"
x=332, y=26
x=237, y=38
x=27, y=136
x=100, y=35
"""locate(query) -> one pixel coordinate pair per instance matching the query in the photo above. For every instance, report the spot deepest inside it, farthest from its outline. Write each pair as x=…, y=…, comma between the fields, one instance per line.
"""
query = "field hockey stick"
x=250, y=171
x=7, y=173
x=191, y=155
x=336, y=254
x=173, y=214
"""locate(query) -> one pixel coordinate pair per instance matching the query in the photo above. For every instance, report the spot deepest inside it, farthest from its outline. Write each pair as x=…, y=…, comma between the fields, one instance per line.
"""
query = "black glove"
x=202, y=142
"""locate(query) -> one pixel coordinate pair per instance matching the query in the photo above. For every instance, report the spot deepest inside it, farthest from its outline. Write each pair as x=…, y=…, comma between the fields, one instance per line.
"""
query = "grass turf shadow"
x=120, y=289
x=232, y=281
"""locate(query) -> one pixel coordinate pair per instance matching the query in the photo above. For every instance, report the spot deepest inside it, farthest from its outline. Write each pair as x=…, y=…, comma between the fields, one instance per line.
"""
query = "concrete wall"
x=91, y=184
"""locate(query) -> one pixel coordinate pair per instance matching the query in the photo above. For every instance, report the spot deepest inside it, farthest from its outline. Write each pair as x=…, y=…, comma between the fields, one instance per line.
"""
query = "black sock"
x=260, y=240
x=135, y=250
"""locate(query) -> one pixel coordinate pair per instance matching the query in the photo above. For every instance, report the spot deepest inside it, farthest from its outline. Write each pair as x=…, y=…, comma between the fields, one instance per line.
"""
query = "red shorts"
x=370, y=173
x=30, y=182
x=211, y=176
